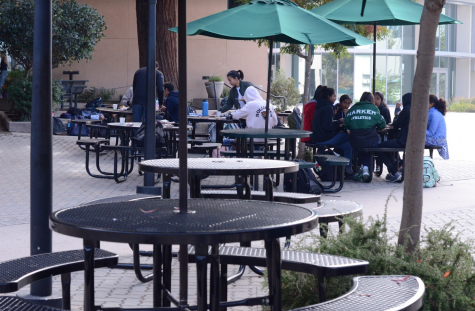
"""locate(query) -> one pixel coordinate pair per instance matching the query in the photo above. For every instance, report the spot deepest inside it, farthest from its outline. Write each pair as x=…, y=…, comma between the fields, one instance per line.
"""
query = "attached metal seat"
x=336, y=162
x=17, y=273
x=386, y=292
x=285, y=197
x=9, y=303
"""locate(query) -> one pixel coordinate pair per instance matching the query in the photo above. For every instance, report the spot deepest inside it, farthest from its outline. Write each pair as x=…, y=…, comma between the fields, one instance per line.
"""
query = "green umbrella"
x=274, y=20
x=377, y=12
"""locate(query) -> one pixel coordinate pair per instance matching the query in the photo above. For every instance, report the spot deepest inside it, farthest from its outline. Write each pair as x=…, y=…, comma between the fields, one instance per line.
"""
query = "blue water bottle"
x=205, y=108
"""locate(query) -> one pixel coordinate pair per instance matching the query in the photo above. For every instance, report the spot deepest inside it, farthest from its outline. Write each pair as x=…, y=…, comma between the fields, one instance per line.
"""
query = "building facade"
x=454, y=65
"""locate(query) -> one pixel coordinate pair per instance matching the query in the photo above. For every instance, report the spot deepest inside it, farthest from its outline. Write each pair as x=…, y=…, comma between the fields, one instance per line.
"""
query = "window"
x=362, y=73
x=329, y=72
x=345, y=76
x=393, y=94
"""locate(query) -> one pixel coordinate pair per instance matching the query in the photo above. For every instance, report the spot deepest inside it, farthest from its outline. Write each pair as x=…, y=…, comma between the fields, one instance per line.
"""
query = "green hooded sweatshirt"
x=362, y=120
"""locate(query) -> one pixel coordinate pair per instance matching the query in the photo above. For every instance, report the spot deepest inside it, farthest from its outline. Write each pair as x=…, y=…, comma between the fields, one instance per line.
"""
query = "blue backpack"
x=430, y=174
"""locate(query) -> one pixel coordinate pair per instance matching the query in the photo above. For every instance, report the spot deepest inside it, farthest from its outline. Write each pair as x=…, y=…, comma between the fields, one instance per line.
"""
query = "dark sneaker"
x=389, y=176
x=358, y=175
x=396, y=177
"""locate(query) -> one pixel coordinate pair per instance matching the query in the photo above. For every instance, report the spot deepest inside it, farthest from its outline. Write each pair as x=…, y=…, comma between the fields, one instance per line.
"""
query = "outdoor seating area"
x=158, y=199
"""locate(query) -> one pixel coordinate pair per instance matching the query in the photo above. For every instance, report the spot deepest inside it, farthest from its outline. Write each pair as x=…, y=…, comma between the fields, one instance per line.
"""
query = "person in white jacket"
x=255, y=110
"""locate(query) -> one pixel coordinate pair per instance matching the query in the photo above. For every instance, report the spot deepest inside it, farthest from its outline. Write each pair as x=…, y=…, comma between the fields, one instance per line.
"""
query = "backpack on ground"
x=159, y=136
x=306, y=181
x=58, y=127
x=430, y=174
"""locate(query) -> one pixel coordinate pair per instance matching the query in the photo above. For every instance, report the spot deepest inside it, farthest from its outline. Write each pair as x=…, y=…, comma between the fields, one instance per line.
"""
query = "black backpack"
x=159, y=136
x=58, y=127
x=306, y=181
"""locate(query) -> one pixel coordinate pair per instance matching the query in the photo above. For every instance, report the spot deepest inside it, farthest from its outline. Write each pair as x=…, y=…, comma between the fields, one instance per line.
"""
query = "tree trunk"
x=166, y=40
x=412, y=202
x=167, y=50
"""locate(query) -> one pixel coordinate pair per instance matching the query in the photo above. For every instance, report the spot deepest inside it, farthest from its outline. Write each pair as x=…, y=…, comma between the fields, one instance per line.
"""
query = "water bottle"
x=205, y=108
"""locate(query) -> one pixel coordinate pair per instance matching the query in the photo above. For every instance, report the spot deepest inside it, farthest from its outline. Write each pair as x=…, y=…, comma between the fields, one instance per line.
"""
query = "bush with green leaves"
x=20, y=96
x=90, y=94
x=215, y=79
x=282, y=86
x=462, y=104
x=77, y=28
x=443, y=262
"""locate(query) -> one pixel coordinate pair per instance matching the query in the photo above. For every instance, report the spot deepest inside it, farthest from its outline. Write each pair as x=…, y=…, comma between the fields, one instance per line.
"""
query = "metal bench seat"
x=9, y=303
x=285, y=197
x=328, y=159
x=321, y=265
x=337, y=162
x=17, y=273
x=91, y=142
x=378, y=293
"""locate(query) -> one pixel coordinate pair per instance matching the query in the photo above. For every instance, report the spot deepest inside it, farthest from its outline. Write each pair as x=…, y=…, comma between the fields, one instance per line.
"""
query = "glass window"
x=393, y=94
x=362, y=80
x=329, y=71
x=395, y=37
x=407, y=73
x=408, y=37
x=442, y=38
x=380, y=74
x=345, y=76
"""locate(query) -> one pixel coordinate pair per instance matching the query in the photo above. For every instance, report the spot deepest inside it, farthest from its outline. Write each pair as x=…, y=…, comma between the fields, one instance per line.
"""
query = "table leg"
x=294, y=181
x=287, y=150
x=215, y=278
x=293, y=148
x=219, y=128
x=89, y=275
x=223, y=294
x=195, y=186
x=157, y=275
x=274, y=273
x=268, y=188
x=183, y=259
x=193, y=130
x=277, y=178
x=167, y=181
x=201, y=273
x=167, y=273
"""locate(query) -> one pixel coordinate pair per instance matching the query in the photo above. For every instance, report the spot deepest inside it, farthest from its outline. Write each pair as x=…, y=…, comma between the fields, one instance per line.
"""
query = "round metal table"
x=111, y=111
x=154, y=221
x=219, y=124
x=241, y=168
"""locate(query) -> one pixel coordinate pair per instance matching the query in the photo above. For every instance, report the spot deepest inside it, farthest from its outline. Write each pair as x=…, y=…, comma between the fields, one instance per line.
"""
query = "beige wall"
x=116, y=57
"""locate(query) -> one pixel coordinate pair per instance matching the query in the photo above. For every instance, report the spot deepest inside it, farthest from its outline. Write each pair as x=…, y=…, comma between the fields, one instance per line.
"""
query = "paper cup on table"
x=114, y=106
x=122, y=121
x=218, y=114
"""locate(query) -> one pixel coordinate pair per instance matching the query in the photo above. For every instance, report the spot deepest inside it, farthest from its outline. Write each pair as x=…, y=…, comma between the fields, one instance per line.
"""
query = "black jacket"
x=323, y=127
x=3, y=66
x=232, y=102
x=339, y=114
x=402, y=121
x=384, y=112
x=140, y=86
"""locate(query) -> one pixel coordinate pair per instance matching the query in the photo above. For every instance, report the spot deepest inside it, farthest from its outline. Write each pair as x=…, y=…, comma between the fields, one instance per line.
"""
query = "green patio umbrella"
x=376, y=12
x=274, y=20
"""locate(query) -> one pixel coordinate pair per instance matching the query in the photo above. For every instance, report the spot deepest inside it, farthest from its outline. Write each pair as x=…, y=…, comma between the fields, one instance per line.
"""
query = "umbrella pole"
x=374, y=58
x=269, y=70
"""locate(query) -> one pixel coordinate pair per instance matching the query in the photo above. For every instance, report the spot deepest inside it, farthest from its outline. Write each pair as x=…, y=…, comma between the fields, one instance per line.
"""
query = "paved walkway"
x=450, y=201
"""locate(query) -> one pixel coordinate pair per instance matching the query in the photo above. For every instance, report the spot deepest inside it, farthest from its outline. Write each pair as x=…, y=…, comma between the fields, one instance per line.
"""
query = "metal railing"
x=272, y=95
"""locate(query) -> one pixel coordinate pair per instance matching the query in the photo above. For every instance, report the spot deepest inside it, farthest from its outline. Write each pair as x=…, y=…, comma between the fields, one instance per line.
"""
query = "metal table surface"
x=241, y=168
x=126, y=126
x=155, y=221
x=117, y=111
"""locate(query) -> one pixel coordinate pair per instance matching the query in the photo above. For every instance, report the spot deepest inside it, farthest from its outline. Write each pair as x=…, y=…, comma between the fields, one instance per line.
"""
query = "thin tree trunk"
x=166, y=40
x=413, y=199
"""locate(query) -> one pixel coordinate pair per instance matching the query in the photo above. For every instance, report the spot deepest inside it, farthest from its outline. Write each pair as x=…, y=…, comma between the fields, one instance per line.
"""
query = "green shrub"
x=442, y=261
x=462, y=104
x=282, y=86
x=90, y=94
x=20, y=95
x=215, y=79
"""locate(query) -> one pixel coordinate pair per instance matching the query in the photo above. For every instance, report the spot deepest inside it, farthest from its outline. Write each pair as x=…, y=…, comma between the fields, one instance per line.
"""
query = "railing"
x=272, y=95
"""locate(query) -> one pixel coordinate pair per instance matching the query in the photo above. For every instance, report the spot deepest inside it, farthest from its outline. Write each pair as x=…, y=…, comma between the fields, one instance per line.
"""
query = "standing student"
x=309, y=111
x=140, y=93
x=436, y=134
x=3, y=67
x=361, y=122
x=326, y=130
x=238, y=88
x=382, y=106
x=401, y=123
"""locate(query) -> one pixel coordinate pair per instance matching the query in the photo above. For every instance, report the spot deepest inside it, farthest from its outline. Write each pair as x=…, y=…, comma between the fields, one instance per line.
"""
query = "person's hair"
x=367, y=97
x=169, y=86
x=439, y=103
x=383, y=102
x=317, y=93
x=345, y=97
x=156, y=64
x=3, y=55
x=326, y=92
x=236, y=74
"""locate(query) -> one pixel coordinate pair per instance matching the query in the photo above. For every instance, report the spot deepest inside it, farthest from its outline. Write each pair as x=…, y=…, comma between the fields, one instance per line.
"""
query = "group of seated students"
x=346, y=128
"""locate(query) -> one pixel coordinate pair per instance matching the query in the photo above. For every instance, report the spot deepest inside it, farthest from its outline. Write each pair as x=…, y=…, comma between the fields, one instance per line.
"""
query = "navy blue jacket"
x=140, y=86
x=173, y=107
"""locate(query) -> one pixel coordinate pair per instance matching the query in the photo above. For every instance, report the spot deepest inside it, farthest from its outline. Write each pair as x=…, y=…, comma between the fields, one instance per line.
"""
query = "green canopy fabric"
x=383, y=12
x=283, y=19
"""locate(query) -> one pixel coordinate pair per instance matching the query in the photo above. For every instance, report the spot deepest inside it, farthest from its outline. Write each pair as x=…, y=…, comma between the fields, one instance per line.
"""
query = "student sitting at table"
x=171, y=103
x=361, y=122
x=254, y=111
x=326, y=130
x=382, y=106
x=236, y=94
x=436, y=134
x=402, y=123
x=342, y=109
x=308, y=112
